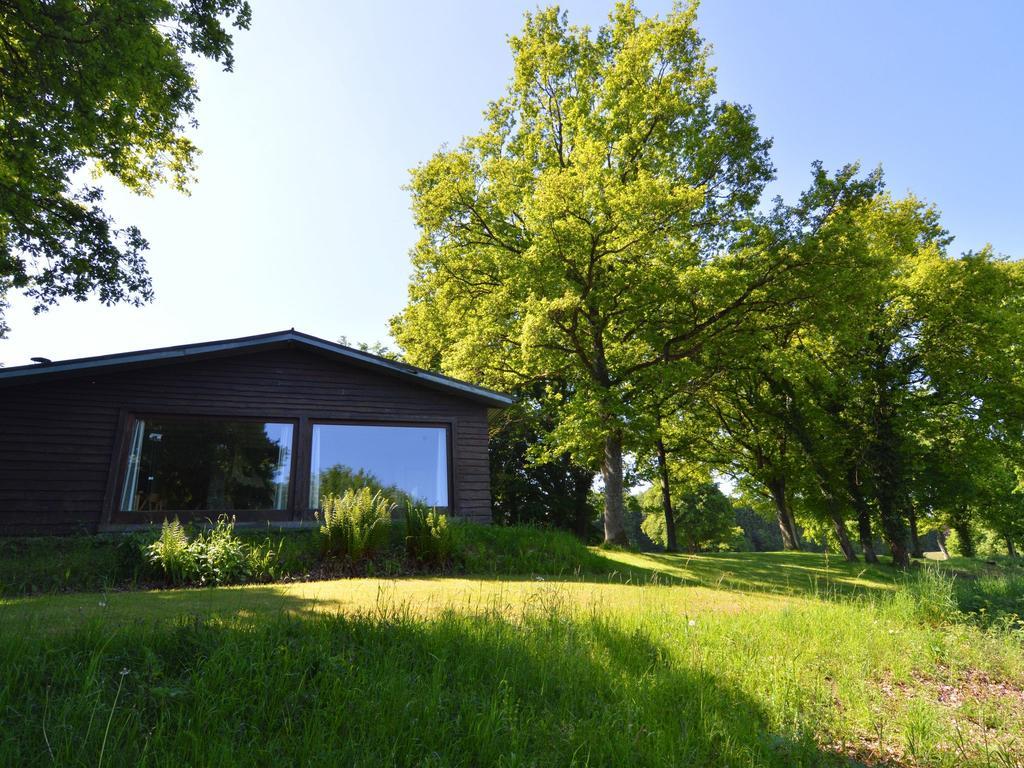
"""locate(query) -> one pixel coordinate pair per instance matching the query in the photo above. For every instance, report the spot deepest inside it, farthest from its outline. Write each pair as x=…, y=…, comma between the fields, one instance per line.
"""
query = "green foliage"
x=736, y=541
x=577, y=236
x=428, y=537
x=954, y=545
x=123, y=561
x=704, y=516
x=529, y=485
x=213, y=557
x=223, y=558
x=356, y=525
x=109, y=86
x=761, y=534
x=174, y=554
x=246, y=555
x=653, y=526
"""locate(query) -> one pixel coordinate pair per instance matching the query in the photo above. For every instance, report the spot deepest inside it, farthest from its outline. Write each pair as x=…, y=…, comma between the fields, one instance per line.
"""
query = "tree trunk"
x=671, y=543
x=1011, y=550
x=839, y=527
x=900, y=556
x=863, y=510
x=941, y=538
x=582, y=512
x=915, y=540
x=614, y=506
x=783, y=514
x=887, y=491
x=867, y=539
x=887, y=457
x=835, y=508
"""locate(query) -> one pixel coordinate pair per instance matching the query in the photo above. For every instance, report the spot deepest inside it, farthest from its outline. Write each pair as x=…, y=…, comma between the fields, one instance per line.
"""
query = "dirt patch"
x=973, y=684
x=984, y=716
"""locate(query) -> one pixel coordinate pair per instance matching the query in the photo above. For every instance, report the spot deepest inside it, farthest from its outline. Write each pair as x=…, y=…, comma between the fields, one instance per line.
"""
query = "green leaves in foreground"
x=105, y=86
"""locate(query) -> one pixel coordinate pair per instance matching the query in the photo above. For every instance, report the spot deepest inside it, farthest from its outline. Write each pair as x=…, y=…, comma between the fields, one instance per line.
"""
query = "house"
x=259, y=428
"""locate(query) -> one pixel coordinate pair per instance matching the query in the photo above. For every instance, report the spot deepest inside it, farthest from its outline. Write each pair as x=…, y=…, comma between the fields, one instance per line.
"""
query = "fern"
x=173, y=553
x=356, y=525
x=428, y=539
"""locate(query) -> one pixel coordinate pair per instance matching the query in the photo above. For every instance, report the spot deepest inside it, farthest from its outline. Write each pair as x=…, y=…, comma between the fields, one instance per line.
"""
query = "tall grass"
x=543, y=684
x=525, y=551
x=90, y=563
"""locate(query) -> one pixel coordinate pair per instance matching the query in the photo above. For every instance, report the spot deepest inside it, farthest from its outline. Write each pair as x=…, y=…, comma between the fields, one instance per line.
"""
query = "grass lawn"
x=772, y=659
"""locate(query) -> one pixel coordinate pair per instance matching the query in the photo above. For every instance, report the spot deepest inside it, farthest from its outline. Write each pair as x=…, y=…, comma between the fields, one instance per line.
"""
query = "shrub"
x=214, y=557
x=703, y=514
x=736, y=541
x=173, y=553
x=221, y=557
x=356, y=525
x=131, y=562
x=654, y=526
x=428, y=539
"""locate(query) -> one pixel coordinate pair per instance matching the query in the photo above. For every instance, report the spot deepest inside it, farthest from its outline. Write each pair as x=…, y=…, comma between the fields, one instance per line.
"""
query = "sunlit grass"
x=768, y=659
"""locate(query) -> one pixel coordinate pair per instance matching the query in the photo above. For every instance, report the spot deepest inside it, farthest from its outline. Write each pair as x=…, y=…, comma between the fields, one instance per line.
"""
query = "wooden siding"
x=61, y=440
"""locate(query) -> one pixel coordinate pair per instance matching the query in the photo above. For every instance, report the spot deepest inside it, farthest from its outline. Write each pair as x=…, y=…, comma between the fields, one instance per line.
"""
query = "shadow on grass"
x=779, y=573
x=378, y=689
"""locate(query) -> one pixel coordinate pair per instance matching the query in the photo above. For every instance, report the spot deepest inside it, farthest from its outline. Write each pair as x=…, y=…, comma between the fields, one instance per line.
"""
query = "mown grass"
x=739, y=660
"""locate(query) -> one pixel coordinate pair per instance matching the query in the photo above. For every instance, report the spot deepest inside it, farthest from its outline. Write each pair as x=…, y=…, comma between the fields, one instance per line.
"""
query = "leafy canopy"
x=102, y=86
x=579, y=236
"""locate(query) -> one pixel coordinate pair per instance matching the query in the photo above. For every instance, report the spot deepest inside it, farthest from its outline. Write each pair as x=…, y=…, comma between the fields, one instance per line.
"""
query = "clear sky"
x=299, y=218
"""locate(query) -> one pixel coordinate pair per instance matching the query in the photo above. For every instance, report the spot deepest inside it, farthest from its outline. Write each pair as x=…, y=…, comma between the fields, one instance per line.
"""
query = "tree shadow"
x=383, y=688
x=777, y=573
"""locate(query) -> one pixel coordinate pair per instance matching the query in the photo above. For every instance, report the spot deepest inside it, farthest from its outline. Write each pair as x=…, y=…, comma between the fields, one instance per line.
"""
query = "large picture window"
x=180, y=464
x=403, y=462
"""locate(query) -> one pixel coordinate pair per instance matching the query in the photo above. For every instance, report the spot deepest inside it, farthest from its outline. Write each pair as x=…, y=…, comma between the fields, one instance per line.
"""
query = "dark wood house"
x=258, y=428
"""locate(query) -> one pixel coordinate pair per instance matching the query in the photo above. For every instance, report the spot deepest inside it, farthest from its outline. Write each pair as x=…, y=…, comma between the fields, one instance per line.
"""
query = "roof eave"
x=83, y=366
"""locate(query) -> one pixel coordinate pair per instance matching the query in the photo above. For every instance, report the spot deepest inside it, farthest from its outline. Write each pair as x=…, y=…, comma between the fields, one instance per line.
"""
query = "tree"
x=704, y=514
x=554, y=492
x=920, y=382
x=758, y=421
x=107, y=84
x=593, y=231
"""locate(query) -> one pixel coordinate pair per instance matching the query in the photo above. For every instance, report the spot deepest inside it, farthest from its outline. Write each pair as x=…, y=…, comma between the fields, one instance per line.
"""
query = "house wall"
x=62, y=441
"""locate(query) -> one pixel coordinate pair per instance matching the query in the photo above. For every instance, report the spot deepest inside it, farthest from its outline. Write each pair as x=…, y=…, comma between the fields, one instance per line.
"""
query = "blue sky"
x=299, y=218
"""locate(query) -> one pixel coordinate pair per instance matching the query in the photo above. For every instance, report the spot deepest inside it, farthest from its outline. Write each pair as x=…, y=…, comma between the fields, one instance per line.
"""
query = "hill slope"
x=771, y=659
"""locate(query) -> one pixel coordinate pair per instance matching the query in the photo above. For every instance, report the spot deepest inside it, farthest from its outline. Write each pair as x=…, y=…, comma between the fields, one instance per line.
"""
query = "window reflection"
x=403, y=462
x=207, y=464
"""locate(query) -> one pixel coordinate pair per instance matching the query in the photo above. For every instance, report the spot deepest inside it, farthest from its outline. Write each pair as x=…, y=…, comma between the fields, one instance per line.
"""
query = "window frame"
x=117, y=516
x=447, y=426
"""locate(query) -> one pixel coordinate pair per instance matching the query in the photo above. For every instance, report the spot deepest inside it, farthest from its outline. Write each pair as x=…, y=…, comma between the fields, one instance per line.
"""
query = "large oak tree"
x=584, y=234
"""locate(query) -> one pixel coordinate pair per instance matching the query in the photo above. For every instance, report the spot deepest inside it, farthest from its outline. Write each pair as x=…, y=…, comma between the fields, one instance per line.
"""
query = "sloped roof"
x=227, y=347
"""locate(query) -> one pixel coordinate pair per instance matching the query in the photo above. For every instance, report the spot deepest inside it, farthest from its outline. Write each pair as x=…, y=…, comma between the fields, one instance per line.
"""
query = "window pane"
x=401, y=461
x=207, y=464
